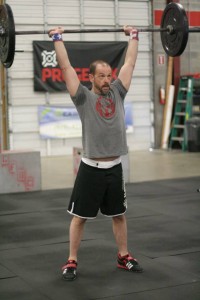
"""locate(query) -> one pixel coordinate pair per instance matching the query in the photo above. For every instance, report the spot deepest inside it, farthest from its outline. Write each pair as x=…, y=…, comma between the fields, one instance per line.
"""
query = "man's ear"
x=91, y=77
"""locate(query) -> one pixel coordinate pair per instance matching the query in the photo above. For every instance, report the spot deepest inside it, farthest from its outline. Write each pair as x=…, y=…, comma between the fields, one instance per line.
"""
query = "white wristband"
x=134, y=35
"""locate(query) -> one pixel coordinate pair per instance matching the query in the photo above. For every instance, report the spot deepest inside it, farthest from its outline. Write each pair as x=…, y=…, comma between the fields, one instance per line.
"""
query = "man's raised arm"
x=126, y=72
x=69, y=74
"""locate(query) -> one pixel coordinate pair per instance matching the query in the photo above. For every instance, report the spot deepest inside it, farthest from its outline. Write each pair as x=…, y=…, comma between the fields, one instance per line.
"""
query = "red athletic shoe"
x=128, y=263
x=69, y=270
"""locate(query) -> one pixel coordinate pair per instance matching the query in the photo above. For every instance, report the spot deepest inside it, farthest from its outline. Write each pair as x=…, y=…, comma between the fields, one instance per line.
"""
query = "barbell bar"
x=90, y=31
x=174, y=31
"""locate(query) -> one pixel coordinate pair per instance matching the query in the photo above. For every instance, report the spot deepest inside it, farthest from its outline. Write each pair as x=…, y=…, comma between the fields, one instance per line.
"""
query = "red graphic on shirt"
x=105, y=107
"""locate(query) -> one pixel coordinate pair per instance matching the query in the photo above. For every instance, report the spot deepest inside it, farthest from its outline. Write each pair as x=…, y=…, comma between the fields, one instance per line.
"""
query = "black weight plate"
x=174, y=42
x=7, y=40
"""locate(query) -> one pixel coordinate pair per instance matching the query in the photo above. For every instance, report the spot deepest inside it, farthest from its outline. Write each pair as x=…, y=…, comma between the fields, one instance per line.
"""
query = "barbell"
x=174, y=31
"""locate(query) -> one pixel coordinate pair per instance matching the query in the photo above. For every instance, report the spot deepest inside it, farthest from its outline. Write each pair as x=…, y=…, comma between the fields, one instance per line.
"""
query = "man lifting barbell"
x=101, y=111
x=99, y=184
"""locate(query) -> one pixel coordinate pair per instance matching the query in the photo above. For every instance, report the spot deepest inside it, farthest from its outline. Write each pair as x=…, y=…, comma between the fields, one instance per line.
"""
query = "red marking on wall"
x=194, y=18
x=29, y=184
x=157, y=17
x=4, y=161
x=19, y=173
x=12, y=167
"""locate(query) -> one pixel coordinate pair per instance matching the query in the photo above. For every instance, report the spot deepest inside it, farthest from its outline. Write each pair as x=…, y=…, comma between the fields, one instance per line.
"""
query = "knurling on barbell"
x=174, y=31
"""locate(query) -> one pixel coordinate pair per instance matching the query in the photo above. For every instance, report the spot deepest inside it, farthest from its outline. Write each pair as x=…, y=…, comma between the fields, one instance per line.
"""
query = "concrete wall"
x=189, y=62
x=20, y=172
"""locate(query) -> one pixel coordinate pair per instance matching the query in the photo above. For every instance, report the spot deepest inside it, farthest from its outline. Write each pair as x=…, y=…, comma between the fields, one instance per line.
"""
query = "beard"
x=104, y=89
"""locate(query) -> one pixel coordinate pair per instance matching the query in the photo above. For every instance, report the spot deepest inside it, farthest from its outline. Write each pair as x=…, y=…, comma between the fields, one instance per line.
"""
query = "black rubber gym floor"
x=164, y=234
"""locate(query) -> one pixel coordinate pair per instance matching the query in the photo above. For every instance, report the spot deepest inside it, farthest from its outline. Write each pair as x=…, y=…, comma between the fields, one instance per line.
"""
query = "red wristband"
x=134, y=35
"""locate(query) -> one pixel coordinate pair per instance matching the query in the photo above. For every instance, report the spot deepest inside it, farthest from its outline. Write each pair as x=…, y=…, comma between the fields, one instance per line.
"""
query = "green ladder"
x=183, y=111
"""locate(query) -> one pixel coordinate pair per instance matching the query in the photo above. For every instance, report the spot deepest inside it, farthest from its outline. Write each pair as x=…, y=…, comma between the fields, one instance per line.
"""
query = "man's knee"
x=120, y=218
x=78, y=221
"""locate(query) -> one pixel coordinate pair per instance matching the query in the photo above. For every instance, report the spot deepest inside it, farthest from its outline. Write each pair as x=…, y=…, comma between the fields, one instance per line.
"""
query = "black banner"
x=47, y=74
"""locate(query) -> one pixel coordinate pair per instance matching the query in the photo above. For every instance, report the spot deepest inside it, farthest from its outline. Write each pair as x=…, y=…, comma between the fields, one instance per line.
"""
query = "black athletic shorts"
x=97, y=188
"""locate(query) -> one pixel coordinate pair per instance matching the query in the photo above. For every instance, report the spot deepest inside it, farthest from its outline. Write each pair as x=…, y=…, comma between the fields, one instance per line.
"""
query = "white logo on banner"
x=49, y=58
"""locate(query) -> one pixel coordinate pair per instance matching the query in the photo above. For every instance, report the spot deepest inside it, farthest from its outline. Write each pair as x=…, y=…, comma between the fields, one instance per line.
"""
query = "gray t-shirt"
x=103, y=124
